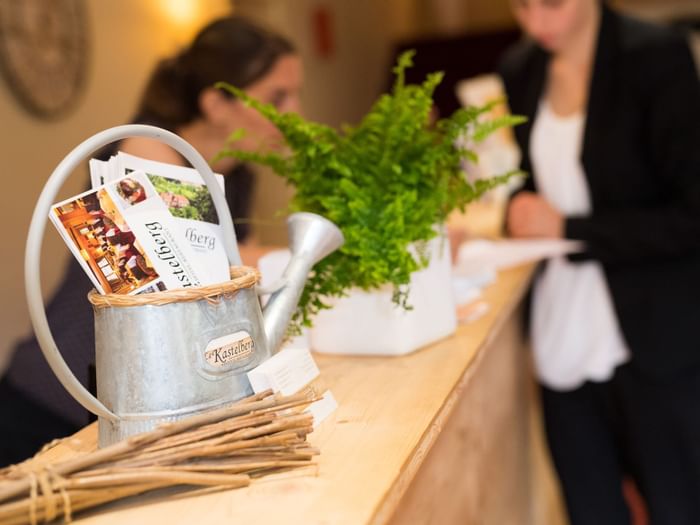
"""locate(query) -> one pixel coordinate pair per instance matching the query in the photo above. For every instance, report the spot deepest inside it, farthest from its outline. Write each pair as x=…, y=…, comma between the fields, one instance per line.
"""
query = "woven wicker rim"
x=241, y=277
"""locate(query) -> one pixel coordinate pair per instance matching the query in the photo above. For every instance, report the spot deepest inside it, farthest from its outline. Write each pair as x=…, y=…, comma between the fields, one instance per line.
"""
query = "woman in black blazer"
x=637, y=89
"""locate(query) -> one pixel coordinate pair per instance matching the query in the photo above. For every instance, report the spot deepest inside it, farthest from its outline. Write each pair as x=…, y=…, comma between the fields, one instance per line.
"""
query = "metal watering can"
x=151, y=365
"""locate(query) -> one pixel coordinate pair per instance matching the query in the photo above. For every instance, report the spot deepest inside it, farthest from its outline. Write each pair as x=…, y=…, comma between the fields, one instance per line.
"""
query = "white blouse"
x=575, y=333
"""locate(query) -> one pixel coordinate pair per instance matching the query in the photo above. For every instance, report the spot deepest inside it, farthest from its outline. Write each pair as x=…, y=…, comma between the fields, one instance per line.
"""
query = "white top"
x=575, y=333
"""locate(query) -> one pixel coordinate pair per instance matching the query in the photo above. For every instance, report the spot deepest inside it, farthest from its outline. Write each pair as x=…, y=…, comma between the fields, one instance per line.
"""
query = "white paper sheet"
x=474, y=257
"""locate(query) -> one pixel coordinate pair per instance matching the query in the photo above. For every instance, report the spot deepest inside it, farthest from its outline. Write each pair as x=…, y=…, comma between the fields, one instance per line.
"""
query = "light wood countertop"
x=391, y=411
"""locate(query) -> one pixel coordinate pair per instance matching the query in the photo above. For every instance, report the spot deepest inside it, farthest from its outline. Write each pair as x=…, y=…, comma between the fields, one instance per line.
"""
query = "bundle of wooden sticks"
x=225, y=448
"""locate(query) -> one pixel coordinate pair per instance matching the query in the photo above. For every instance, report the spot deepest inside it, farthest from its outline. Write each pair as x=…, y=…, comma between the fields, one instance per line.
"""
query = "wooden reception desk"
x=444, y=435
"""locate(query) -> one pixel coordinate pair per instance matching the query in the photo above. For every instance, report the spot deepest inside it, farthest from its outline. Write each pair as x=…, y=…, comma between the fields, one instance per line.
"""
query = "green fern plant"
x=385, y=182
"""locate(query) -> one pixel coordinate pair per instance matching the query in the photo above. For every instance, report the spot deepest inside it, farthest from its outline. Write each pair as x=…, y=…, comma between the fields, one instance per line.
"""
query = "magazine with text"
x=186, y=197
x=126, y=239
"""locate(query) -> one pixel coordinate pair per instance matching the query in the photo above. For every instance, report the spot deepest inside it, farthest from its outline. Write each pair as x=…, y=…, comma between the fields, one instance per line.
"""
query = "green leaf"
x=236, y=135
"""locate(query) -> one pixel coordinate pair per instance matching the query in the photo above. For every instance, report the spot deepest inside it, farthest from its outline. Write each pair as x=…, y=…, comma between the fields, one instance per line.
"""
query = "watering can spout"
x=311, y=238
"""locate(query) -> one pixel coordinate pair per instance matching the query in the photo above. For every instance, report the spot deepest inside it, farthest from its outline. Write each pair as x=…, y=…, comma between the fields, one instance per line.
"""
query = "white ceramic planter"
x=368, y=323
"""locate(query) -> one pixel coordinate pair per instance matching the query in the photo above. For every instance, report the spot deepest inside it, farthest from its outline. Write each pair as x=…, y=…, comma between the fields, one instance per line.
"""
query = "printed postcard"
x=125, y=238
x=186, y=197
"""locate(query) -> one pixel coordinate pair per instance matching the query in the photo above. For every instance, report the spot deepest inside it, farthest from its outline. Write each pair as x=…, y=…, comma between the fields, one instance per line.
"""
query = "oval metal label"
x=228, y=349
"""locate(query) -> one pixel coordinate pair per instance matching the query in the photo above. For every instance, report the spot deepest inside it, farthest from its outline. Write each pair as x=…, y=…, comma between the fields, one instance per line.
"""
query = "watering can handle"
x=32, y=259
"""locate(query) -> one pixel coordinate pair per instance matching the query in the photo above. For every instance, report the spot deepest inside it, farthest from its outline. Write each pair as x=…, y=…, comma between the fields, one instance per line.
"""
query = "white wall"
x=127, y=37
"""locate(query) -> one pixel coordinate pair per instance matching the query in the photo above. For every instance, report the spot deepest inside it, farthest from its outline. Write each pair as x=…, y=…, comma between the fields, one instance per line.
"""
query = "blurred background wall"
x=125, y=39
x=347, y=46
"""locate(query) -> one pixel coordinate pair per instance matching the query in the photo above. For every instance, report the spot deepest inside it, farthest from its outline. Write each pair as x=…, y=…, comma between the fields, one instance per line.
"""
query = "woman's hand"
x=529, y=215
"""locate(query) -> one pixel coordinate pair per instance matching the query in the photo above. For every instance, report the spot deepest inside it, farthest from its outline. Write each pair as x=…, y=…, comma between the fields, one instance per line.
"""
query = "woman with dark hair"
x=612, y=145
x=180, y=97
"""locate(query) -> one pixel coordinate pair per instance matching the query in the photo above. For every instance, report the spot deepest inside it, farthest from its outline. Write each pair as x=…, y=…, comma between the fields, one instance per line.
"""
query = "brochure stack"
x=144, y=226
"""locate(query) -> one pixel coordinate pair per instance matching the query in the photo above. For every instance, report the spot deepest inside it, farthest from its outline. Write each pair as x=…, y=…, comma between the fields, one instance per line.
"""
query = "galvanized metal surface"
x=151, y=360
x=162, y=363
x=151, y=363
